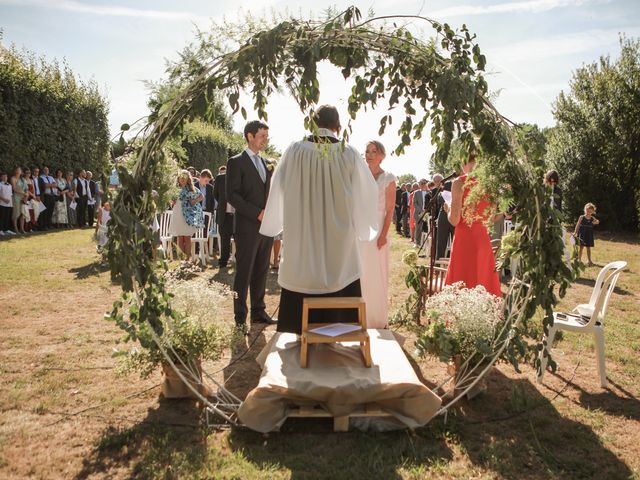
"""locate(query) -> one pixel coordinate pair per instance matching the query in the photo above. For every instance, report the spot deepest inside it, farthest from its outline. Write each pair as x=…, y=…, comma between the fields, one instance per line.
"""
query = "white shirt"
x=324, y=199
x=257, y=162
x=7, y=192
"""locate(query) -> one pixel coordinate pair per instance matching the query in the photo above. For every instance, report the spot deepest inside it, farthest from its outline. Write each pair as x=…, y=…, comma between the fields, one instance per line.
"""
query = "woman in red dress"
x=472, y=260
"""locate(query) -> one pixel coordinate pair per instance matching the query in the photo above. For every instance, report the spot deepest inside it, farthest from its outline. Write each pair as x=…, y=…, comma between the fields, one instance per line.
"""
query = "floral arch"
x=439, y=84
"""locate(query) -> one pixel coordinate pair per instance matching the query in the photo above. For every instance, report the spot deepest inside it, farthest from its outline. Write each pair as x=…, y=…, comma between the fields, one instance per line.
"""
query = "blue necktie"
x=258, y=164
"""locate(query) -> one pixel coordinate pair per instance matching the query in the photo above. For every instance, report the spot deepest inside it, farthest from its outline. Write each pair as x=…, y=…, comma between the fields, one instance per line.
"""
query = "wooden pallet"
x=341, y=423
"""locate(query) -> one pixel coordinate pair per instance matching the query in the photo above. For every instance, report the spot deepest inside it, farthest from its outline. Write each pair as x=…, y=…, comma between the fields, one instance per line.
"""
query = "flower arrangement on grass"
x=197, y=333
x=463, y=322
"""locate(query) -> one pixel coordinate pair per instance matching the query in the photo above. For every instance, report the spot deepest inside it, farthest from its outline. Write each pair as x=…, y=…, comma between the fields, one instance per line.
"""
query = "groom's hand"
x=261, y=215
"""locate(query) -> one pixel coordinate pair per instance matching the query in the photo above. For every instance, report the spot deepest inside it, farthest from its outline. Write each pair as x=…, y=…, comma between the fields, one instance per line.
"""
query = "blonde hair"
x=186, y=174
x=589, y=206
x=379, y=146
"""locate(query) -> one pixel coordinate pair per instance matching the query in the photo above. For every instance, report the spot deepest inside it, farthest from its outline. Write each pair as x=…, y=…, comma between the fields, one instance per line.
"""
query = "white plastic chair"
x=201, y=238
x=587, y=318
x=507, y=226
x=216, y=236
x=166, y=239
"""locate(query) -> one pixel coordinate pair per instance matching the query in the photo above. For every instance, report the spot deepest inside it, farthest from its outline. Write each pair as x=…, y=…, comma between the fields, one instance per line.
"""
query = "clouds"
x=528, y=6
x=104, y=10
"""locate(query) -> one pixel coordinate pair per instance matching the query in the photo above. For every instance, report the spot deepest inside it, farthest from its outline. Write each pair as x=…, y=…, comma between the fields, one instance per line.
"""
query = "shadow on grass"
x=168, y=443
x=591, y=283
x=91, y=270
x=309, y=449
x=517, y=432
x=623, y=404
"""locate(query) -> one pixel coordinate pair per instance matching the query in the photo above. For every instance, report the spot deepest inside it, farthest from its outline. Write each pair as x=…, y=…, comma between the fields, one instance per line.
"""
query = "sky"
x=532, y=49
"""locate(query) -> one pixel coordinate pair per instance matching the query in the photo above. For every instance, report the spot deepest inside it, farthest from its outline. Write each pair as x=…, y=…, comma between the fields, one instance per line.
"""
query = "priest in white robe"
x=323, y=199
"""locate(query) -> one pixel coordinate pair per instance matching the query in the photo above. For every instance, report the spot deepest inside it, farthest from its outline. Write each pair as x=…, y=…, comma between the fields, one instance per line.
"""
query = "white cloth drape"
x=324, y=199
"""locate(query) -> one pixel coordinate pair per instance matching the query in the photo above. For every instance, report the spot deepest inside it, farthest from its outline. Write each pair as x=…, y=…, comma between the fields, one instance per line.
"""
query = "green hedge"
x=48, y=116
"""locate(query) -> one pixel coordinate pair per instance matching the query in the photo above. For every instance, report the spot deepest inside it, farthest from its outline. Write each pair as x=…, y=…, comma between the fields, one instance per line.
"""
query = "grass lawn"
x=66, y=413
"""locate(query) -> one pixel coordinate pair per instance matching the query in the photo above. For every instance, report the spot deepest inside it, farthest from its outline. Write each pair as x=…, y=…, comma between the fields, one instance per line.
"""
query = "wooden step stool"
x=360, y=336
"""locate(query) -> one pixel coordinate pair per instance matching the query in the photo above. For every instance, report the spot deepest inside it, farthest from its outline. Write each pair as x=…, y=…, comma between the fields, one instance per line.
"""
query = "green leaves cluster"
x=48, y=116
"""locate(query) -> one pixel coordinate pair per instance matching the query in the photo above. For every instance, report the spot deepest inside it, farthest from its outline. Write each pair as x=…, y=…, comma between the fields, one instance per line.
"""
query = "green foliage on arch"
x=437, y=85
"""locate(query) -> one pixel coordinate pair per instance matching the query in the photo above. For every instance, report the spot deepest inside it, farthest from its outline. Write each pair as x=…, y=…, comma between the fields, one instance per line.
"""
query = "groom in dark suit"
x=247, y=187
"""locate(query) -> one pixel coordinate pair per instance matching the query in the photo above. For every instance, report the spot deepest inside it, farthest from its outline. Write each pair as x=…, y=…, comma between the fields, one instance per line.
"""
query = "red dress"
x=472, y=260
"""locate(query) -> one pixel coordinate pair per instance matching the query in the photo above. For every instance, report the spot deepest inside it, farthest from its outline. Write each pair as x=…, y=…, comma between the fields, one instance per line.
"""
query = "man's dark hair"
x=206, y=173
x=327, y=117
x=253, y=126
x=552, y=176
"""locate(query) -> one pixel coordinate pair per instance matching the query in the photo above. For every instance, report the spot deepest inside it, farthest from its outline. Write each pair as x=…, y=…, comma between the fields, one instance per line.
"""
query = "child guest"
x=584, y=230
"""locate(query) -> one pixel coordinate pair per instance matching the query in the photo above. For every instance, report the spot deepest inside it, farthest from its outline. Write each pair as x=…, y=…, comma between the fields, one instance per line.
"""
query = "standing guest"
x=47, y=184
x=398, y=209
x=91, y=200
x=60, y=218
x=19, y=189
x=472, y=260
x=192, y=171
x=584, y=231
x=324, y=200
x=6, y=205
x=277, y=246
x=206, y=189
x=35, y=174
x=30, y=207
x=102, y=229
x=187, y=212
x=247, y=187
x=82, y=197
x=224, y=217
x=72, y=214
x=552, y=179
x=374, y=254
x=418, y=210
x=445, y=231
x=406, y=191
x=412, y=208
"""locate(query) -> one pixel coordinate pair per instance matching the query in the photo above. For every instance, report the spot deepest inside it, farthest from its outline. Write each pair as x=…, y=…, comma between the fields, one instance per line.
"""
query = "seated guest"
x=323, y=199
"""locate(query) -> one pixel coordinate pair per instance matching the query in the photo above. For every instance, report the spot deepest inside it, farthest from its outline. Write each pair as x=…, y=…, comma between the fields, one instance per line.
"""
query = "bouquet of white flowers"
x=462, y=322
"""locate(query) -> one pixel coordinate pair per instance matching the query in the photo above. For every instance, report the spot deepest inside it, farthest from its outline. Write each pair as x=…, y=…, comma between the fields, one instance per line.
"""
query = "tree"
x=406, y=178
x=596, y=144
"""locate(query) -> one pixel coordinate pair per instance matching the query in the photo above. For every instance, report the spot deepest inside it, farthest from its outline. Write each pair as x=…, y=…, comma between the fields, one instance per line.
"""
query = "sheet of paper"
x=335, y=329
x=73, y=205
x=446, y=195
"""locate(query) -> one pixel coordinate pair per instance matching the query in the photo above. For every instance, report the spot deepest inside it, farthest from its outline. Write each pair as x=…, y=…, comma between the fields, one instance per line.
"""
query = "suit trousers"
x=5, y=218
x=445, y=230
x=405, y=223
x=81, y=211
x=398, y=219
x=226, y=232
x=253, y=252
x=91, y=213
x=49, y=202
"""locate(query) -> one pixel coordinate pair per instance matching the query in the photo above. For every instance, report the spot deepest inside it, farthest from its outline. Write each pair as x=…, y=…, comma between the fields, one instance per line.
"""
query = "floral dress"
x=186, y=218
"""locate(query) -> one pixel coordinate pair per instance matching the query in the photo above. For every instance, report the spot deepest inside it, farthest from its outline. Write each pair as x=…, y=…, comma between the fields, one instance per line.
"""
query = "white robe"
x=324, y=199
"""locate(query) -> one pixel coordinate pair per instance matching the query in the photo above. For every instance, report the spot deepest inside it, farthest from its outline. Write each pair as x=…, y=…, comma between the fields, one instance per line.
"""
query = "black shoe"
x=264, y=318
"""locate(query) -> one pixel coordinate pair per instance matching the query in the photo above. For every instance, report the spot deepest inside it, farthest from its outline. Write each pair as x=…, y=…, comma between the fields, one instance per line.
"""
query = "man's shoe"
x=264, y=318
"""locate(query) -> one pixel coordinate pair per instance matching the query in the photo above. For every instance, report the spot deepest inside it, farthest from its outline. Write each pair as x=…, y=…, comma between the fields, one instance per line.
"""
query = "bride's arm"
x=389, y=205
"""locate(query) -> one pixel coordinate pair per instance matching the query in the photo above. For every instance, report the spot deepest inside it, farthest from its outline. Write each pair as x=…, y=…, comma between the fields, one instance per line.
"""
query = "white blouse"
x=324, y=199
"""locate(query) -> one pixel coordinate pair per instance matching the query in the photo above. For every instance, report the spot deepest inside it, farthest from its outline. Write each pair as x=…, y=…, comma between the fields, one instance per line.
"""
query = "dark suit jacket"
x=209, y=200
x=220, y=195
x=246, y=192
